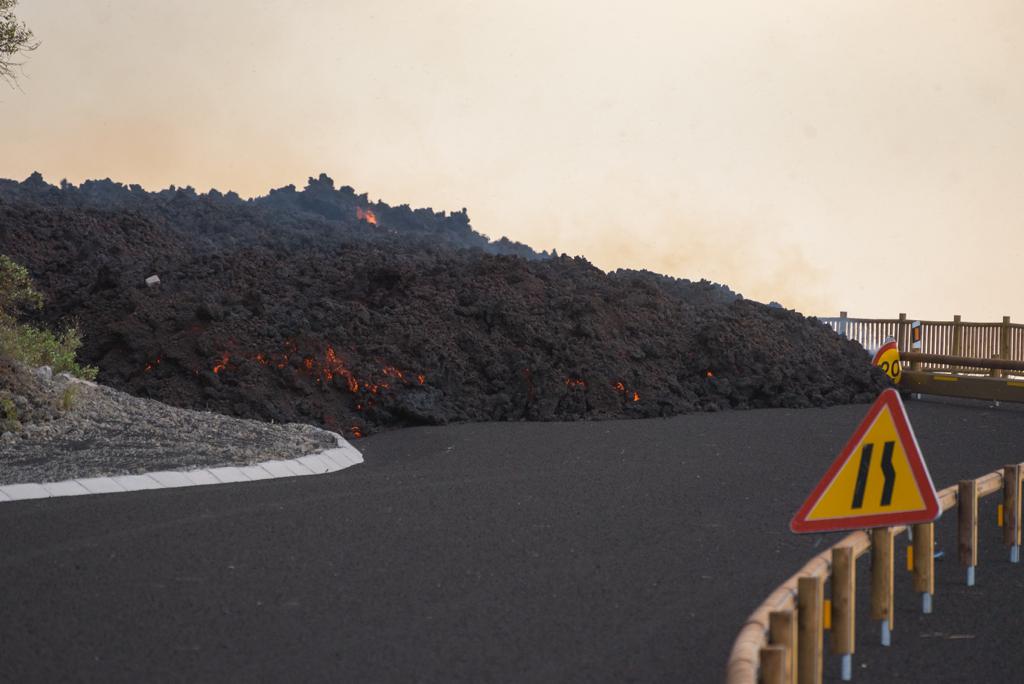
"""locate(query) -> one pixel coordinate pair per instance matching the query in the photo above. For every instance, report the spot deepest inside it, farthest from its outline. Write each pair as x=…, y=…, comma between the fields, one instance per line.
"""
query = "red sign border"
x=888, y=398
x=881, y=350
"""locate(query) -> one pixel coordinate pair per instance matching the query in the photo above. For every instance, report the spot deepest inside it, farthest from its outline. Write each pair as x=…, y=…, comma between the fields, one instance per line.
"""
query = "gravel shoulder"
x=107, y=432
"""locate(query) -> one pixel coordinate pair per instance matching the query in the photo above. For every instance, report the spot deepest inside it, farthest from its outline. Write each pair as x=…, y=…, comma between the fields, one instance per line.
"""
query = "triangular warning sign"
x=878, y=480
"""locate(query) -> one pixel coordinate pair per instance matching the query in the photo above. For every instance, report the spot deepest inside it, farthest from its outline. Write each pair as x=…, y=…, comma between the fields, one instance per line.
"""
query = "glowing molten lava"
x=333, y=366
x=575, y=382
x=709, y=374
x=356, y=431
x=322, y=369
x=366, y=215
x=621, y=387
x=222, y=364
x=154, y=364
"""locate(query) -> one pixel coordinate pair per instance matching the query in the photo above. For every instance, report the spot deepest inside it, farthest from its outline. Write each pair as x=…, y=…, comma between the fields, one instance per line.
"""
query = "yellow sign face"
x=879, y=479
x=888, y=359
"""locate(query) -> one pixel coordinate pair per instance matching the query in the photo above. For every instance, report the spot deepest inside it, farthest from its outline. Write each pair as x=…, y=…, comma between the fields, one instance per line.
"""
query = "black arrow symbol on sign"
x=889, y=472
x=862, y=475
x=865, y=467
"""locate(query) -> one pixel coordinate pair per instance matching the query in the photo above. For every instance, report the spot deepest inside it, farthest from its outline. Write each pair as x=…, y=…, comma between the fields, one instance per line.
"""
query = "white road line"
x=332, y=460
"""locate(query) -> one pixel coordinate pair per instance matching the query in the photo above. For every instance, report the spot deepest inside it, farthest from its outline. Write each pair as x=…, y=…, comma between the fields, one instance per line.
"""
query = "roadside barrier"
x=957, y=376
x=782, y=641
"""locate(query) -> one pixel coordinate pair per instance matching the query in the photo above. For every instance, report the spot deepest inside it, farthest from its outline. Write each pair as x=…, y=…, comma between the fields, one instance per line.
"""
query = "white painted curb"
x=332, y=460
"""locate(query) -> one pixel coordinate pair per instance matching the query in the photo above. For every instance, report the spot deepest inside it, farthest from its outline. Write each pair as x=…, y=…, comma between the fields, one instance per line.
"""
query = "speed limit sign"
x=888, y=359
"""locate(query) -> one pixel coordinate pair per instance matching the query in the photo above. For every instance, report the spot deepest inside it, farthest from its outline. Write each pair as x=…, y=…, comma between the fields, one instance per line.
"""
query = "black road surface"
x=542, y=552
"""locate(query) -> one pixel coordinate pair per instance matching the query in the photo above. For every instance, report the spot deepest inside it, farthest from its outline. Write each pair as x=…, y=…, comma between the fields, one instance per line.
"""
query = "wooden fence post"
x=958, y=337
x=882, y=580
x=901, y=333
x=1011, y=510
x=810, y=601
x=924, y=563
x=844, y=588
x=782, y=631
x=1004, y=338
x=967, y=526
x=841, y=328
x=773, y=665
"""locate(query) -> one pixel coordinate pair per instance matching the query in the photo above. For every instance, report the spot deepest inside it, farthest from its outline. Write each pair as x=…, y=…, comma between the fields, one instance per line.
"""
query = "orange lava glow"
x=333, y=366
x=575, y=382
x=709, y=374
x=222, y=364
x=619, y=387
x=321, y=369
x=356, y=431
x=636, y=396
x=366, y=215
x=153, y=364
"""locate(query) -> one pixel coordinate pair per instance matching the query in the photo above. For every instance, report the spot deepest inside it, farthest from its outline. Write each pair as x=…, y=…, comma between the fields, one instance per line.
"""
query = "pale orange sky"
x=829, y=155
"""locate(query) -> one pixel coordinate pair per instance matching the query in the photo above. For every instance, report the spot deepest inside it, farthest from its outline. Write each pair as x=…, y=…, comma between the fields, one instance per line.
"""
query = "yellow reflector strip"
x=999, y=514
x=826, y=617
x=1015, y=384
x=945, y=378
x=910, y=559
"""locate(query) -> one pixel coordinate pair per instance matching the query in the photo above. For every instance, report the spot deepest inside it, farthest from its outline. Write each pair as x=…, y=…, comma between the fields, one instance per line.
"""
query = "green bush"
x=8, y=416
x=25, y=343
x=68, y=398
x=16, y=290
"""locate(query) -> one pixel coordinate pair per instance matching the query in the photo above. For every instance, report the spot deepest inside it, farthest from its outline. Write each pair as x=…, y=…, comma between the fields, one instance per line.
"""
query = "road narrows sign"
x=879, y=478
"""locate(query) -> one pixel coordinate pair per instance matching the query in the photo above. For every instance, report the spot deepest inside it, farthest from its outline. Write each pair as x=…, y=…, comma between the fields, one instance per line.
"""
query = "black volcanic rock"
x=319, y=306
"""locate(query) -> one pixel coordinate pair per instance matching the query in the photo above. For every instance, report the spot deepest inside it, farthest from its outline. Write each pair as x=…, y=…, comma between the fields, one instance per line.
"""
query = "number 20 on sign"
x=879, y=478
x=888, y=359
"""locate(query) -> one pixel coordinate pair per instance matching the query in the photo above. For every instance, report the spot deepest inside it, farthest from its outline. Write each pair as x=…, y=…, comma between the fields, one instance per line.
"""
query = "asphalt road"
x=611, y=551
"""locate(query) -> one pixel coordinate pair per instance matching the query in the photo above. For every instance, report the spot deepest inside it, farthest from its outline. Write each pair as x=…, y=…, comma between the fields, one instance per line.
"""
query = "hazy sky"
x=864, y=156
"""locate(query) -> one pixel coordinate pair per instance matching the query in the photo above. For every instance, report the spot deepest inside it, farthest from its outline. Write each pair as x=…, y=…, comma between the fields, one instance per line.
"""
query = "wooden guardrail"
x=1003, y=382
x=1002, y=340
x=782, y=641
